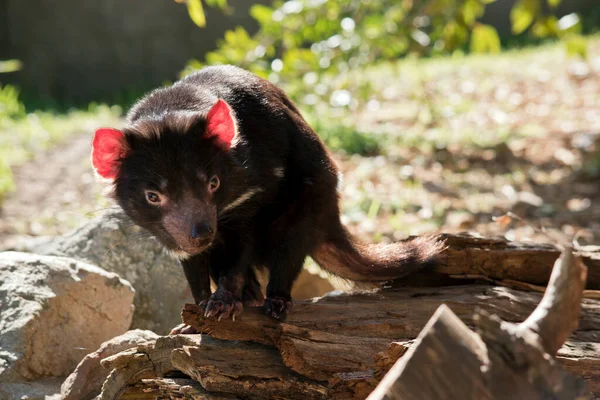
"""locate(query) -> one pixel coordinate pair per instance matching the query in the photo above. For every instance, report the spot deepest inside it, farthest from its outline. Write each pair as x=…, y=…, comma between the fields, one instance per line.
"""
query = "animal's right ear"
x=109, y=147
x=221, y=125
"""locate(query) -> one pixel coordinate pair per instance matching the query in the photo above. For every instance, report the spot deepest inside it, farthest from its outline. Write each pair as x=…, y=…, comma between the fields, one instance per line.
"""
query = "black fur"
x=294, y=208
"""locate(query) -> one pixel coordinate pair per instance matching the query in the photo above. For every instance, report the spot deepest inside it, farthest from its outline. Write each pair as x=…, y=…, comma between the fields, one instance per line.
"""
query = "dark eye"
x=152, y=197
x=214, y=183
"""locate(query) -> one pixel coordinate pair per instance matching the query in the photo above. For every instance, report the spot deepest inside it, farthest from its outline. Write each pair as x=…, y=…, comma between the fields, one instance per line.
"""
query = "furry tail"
x=345, y=257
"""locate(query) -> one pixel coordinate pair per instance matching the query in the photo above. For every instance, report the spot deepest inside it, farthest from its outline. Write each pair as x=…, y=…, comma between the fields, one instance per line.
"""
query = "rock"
x=114, y=243
x=53, y=311
x=41, y=389
x=87, y=379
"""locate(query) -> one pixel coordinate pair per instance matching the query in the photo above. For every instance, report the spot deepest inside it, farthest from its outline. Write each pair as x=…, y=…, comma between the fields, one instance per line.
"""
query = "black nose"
x=201, y=230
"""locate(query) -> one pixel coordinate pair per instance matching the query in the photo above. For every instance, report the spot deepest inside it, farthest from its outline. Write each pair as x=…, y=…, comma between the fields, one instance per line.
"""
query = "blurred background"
x=444, y=115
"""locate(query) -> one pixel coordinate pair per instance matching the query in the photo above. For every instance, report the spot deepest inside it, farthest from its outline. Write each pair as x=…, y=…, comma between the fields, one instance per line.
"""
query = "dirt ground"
x=519, y=135
x=55, y=193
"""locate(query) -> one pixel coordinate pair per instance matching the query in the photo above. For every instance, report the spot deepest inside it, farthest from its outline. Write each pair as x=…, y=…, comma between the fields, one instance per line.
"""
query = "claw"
x=221, y=305
x=278, y=308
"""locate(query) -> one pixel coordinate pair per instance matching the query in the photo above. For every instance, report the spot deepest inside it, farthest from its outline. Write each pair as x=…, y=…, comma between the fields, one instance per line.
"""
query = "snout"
x=201, y=232
x=192, y=236
x=199, y=236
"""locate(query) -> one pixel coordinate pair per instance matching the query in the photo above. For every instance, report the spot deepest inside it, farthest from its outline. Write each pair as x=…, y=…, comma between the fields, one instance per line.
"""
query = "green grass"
x=347, y=139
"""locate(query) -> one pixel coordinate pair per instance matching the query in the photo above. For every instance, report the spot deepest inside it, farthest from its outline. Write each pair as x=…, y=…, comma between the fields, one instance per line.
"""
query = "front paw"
x=222, y=304
x=278, y=307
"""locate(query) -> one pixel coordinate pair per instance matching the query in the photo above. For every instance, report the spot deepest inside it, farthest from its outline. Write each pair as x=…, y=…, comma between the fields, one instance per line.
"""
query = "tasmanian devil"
x=224, y=171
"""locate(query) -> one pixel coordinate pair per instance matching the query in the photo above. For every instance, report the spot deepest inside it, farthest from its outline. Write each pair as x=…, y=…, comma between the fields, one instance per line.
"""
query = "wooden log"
x=244, y=369
x=578, y=357
x=557, y=315
x=582, y=359
x=503, y=361
x=444, y=341
x=394, y=314
x=146, y=361
x=171, y=389
x=500, y=259
x=229, y=368
x=386, y=316
x=325, y=356
x=519, y=364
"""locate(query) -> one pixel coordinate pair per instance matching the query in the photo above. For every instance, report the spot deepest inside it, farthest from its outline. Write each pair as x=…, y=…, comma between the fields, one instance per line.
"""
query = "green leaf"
x=545, y=27
x=576, y=46
x=262, y=14
x=10, y=65
x=554, y=3
x=454, y=35
x=222, y=4
x=471, y=10
x=484, y=39
x=522, y=15
x=196, y=12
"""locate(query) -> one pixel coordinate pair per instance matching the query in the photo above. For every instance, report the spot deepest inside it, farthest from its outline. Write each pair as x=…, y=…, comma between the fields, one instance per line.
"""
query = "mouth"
x=182, y=248
x=183, y=253
x=195, y=248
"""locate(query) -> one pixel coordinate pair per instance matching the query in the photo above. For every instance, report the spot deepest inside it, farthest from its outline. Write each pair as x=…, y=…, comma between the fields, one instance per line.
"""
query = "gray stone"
x=41, y=389
x=53, y=311
x=114, y=243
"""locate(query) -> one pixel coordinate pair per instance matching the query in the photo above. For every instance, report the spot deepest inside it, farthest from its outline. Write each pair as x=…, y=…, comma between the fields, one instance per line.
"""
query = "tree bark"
x=503, y=361
x=469, y=257
x=171, y=389
x=392, y=314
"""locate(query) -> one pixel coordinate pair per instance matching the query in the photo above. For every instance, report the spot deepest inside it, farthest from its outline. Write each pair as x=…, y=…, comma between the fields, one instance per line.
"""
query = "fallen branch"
x=500, y=259
x=504, y=360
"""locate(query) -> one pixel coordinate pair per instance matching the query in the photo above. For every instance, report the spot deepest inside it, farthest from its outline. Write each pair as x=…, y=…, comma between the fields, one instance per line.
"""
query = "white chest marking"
x=242, y=199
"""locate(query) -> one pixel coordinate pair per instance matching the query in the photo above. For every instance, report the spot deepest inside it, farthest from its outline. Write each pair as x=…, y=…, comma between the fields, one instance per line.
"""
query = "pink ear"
x=220, y=124
x=108, y=148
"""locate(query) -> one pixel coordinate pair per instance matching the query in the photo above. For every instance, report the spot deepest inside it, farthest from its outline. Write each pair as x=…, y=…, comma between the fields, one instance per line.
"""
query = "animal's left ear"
x=221, y=124
x=109, y=147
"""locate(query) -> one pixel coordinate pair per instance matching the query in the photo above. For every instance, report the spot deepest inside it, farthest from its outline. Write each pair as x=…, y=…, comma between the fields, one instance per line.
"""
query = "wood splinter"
x=557, y=315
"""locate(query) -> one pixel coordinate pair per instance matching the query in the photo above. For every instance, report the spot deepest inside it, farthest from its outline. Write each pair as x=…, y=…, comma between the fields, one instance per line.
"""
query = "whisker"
x=98, y=210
